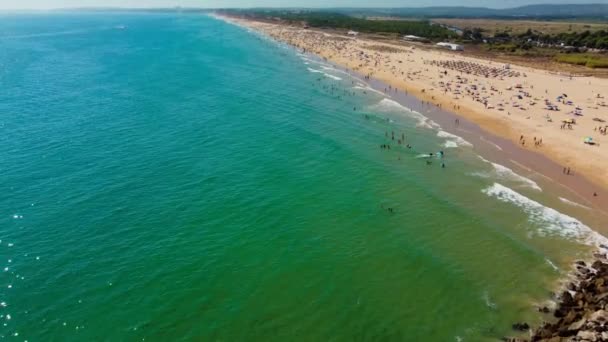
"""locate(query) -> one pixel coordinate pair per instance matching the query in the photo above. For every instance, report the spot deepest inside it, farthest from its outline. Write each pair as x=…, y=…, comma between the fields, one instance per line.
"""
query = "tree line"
x=585, y=39
x=421, y=28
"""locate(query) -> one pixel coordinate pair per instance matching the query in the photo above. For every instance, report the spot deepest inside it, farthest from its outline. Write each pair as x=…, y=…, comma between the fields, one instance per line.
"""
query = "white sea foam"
x=572, y=203
x=549, y=222
x=453, y=140
x=491, y=143
x=329, y=68
x=489, y=303
x=314, y=61
x=450, y=144
x=484, y=159
x=316, y=71
x=503, y=172
x=393, y=106
x=364, y=88
x=333, y=77
x=553, y=266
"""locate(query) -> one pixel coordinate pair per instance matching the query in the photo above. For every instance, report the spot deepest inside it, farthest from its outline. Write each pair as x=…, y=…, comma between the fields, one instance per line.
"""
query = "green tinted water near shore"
x=173, y=177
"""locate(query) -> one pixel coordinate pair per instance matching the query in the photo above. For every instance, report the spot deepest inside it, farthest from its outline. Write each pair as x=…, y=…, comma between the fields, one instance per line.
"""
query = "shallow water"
x=174, y=177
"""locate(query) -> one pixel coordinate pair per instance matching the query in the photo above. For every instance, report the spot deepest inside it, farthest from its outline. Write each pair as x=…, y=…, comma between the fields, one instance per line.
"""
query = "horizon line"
x=268, y=7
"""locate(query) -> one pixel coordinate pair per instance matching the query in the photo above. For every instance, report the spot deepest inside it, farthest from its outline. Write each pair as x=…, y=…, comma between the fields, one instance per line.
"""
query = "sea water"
x=173, y=177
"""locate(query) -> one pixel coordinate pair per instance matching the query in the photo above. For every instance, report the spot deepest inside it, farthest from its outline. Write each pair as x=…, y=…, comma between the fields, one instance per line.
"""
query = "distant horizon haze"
x=58, y=4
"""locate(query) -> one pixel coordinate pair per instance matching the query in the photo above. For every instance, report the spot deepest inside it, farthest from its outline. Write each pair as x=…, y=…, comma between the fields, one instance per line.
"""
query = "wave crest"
x=388, y=105
x=550, y=222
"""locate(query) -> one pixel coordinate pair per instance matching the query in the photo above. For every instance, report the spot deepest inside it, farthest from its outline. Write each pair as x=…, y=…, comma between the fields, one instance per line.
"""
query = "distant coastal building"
x=451, y=46
x=353, y=33
x=412, y=38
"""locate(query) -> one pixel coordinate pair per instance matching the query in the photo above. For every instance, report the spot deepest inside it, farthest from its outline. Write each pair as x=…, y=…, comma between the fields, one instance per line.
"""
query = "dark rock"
x=582, y=310
x=597, y=265
x=564, y=332
x=560, y=312
x=521, y=326
x=542, y=334
x=544, y=309
x=567, y=299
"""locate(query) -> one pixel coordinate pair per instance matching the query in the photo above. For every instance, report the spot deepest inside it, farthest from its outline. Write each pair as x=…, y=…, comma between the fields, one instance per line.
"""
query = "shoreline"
x=505, y=151
x=575, y=190
x=580, y=310
x=583, y=161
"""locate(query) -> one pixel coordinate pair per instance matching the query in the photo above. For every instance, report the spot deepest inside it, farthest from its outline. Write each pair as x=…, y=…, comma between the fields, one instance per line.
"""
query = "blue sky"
x=45, y=4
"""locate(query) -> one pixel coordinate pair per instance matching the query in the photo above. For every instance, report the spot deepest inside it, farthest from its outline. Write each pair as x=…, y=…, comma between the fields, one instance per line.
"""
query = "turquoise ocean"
x=172, y=177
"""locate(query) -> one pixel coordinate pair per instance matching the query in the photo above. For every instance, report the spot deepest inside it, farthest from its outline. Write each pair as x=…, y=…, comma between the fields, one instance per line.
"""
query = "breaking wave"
x=503, y=172
x=316, y=71
x=389, y=105
x=574, y=204
x=368, y=89
x=452, y=140
x=549, y=221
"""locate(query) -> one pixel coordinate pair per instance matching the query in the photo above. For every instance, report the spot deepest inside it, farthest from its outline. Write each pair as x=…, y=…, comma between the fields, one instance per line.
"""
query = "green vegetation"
x=597, y=40
x=590, y=61
x=421, y=28
x=548, y=40
x=597, y=11
x=516, y=27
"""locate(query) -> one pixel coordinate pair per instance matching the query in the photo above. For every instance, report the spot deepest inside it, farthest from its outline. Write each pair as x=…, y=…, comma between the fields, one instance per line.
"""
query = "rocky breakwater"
x=581, y=313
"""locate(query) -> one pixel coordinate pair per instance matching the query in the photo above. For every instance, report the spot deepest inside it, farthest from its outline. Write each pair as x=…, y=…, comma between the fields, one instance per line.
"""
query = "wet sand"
x=503, y=149
x=553, y=181
x=509, y=104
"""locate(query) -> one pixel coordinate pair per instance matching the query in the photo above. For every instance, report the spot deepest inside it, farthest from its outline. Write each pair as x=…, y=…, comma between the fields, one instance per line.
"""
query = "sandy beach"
x=559, y=116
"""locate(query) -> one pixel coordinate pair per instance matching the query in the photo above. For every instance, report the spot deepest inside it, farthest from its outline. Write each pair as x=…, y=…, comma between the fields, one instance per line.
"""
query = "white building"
x=451, y=46
x=353, y=33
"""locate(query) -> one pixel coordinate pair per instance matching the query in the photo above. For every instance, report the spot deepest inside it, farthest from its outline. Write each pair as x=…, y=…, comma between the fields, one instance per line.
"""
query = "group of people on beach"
x=466, y=84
